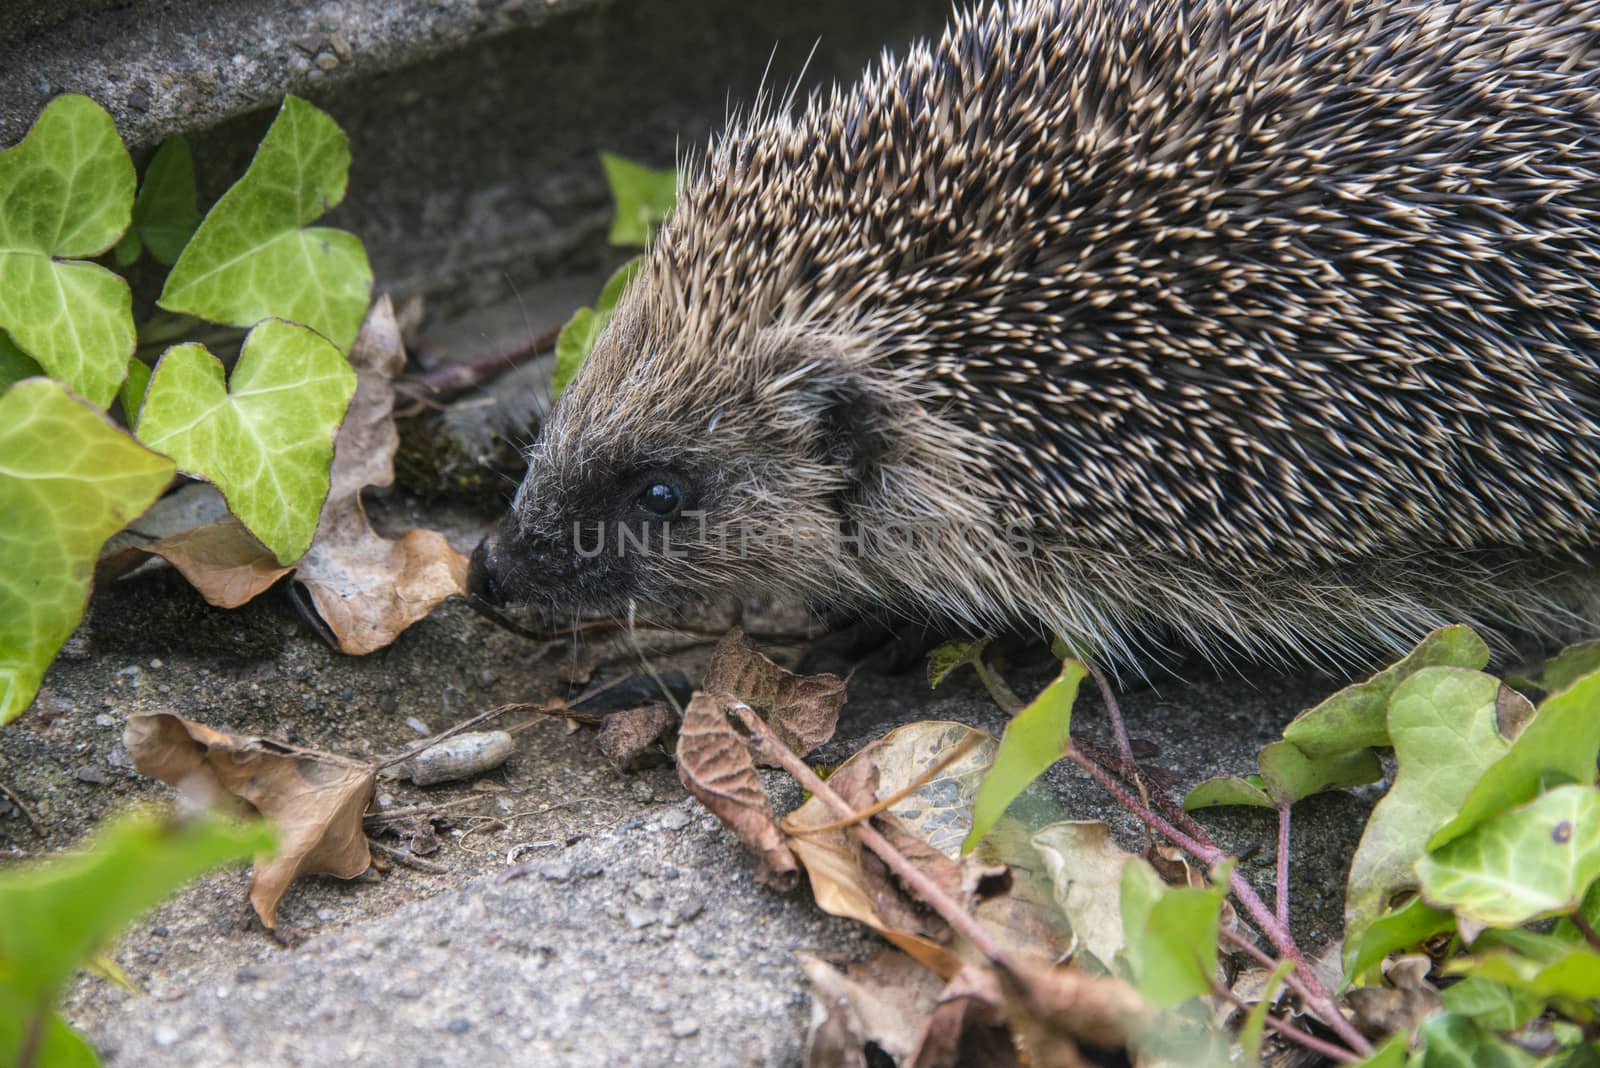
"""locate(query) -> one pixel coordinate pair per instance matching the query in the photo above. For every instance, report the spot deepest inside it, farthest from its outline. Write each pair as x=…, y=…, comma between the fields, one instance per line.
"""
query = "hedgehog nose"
x=480, y=577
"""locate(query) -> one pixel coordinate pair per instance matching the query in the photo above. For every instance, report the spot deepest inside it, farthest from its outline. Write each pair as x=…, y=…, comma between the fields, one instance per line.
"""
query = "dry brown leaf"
x=1055, y=1010
x=883, y=999
x=1402, y=1005
x=802, y=710
x=368, y=588
x=224, y=561
x=1023, y=918
x=629, y=737
x=315, y=800
x=967, y=1026
x=715, y=766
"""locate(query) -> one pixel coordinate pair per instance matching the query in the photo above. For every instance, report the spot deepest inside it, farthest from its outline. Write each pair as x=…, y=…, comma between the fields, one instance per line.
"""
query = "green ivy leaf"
x=133, y=387
x=1493, y=1005
x=1451, y=1041
x=1568, y=666
x=1445, y=732
x=1528, y=863
x=1392, y=1054
x=1409, y=925
x=1034, y=739
x=1558, y=745
x=66, y=195
x=55, y=915
x=166, y=214
x=252, y=259
x=1249, y=791
x=1170, y=934
x=949, y=656
x=1290, y=775
x=1355, y=717
x=1573, y=973
x=643, y=197
x=577, y=339
x=15, y=365
x=265, y=437
x=69, y=480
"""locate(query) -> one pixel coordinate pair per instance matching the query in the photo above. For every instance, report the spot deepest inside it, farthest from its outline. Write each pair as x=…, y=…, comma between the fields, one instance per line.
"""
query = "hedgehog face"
x=662, y=477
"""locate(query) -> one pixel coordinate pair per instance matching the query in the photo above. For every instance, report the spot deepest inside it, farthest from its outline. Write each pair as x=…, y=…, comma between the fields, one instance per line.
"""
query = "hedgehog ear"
x=851, y=428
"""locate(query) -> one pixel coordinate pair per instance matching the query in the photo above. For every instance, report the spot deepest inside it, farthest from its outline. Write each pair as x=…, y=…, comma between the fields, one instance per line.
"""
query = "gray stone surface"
x=474, y=124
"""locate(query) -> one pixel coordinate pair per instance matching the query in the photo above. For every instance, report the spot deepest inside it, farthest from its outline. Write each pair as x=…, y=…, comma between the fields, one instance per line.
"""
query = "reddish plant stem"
x=1119, y=730
x=1585, y=928
x=1290, y=1031
x=1282, y=889
x=1317, y=997
x=1241, y=942
x=925, y=888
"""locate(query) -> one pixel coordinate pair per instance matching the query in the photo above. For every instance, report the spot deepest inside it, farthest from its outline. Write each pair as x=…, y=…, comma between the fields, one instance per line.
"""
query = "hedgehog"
x=1266, y=328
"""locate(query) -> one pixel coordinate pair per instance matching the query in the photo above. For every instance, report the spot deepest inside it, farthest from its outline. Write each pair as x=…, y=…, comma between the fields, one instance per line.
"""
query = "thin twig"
x=1283, y=866
x=1317, y=997
x=1119, y=729
x=413, y=394
x=22, y=806
x=1254, y=952
x=961, y=749
x=926, y=889
x=410, y=860
x=1289, y=1030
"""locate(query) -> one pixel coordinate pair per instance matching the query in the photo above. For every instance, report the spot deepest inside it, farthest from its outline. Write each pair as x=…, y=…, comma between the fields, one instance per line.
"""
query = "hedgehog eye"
x=662, y=499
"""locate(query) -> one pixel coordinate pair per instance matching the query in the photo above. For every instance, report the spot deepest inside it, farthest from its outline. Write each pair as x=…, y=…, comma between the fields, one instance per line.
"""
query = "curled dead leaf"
x=715, y=766
x=314, y=799
x=881, y=1000
x=802, y=710
x=368, y=588
x=1055, y=1010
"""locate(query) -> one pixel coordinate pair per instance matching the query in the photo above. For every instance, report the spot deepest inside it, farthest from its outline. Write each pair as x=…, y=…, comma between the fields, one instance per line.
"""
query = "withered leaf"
x=802, y=710
x=1055, y=1010
x=881, y=1000
x=716, y=767
x=628, y=737
x=314, y=799
x=967, y=1025
x=222, y=560
x=369, y=588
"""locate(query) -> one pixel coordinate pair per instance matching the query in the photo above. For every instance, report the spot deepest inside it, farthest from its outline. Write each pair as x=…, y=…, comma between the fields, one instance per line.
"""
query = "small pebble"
x=341, y=45
x=92, y=774
x=386, y=800
x=689, y=908
x=638, y=918
x=310, y=44
x=389, y=703
x=165, y=1035
x=156, y=664
x=685, y=1028
x=647, y=891
x=326, y=61
x=557, y=871
x=417, y=725
x=103, y=720
x=458, y=1026
x=675, y=820
x=138, y=99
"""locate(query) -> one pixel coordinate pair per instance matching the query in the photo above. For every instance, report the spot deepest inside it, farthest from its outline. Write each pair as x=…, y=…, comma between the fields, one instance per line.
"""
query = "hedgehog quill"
x=1271, y=327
